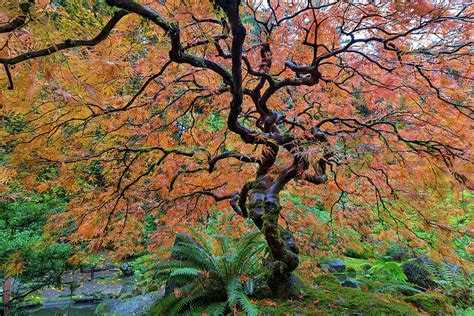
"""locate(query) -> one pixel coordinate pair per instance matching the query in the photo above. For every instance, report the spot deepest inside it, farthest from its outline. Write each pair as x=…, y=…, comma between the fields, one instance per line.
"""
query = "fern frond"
x=234, y=289
x=246, y=252
x=251, y=262
x=192, y=300
x=173, y=264
x=177, y=308
x=204, y=242
x=222, y=268
x=164, y=304
x=249, y=308
x=398, y=288
x=215, y=309
x=196, y=256
x=184, y=271
x=172, y=304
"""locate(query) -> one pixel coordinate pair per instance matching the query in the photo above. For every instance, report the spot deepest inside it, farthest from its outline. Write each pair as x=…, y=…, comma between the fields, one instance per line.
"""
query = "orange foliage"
x=132, y=134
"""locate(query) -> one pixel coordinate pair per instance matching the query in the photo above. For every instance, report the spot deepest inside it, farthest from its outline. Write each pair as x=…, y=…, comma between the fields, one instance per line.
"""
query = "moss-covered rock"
x=419, y=271
x=362, y=253
x=359, y=265
x=432, y=303
x=351, y=272
x=326, y=279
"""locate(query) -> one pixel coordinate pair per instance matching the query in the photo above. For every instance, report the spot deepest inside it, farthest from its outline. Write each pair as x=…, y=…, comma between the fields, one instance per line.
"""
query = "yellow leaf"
x=43, y=187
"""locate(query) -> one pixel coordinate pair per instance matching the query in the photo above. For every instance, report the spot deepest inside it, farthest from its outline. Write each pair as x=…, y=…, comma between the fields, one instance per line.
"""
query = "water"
x=62, y=308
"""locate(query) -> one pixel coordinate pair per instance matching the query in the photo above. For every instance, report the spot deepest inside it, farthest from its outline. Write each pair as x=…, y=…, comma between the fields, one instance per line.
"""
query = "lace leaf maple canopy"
x=339, y=120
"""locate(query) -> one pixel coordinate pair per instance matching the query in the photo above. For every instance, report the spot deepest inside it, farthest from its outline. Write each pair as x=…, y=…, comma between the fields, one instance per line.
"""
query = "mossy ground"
x=327, y=297
x=431, y=303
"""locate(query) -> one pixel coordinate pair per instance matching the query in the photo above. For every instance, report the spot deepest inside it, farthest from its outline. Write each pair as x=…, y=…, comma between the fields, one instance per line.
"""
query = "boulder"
x=351, y=283
x=419, y=272
x=138, y=305
x=126, y=269
x=336, y=266
x=351, y=272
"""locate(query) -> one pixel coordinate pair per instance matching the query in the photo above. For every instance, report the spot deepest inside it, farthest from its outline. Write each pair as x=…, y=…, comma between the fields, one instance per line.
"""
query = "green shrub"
x=142, y=267
x=27, y=253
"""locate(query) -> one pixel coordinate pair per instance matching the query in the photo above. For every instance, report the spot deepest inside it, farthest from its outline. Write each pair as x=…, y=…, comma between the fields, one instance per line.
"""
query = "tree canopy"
x=356, y=116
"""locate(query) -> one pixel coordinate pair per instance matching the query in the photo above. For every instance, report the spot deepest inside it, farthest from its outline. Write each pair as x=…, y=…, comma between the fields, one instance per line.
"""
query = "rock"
x=366, y=267
x=351, y=283
x=337, y=266
x=418, y=272
x=351, y=272
x=138, y=305
x=127, y=290
x=63, y=307
x=86, y=299
x=328, y=280
x=126, y=269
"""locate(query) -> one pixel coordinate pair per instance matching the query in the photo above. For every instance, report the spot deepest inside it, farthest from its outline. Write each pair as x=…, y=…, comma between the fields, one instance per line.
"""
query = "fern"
x=234, y=287
x=250, y=308
x=197, y=256
x=214, y=309
x=210, y=280
x=184, y=271
x=398, y=288
x=392, y=269
x=454, y=282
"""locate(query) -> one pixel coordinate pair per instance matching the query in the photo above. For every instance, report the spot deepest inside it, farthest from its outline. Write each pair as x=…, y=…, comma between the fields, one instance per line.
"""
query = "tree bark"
x=7, y=289
x=264, y=209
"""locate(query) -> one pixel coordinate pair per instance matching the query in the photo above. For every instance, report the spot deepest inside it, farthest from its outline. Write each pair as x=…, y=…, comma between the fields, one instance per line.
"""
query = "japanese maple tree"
x=169, y=107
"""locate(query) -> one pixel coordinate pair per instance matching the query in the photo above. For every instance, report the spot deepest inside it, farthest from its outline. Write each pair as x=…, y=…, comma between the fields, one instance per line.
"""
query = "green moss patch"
x=329, y=298
x=431, y=303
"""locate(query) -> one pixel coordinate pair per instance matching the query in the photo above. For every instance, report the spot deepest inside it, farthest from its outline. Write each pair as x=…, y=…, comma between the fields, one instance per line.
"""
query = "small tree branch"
x=68, y=43
x=18, y=21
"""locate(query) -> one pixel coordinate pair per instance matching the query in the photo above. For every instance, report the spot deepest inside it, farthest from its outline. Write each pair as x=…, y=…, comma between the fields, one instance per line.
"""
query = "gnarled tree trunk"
x=264, y=209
